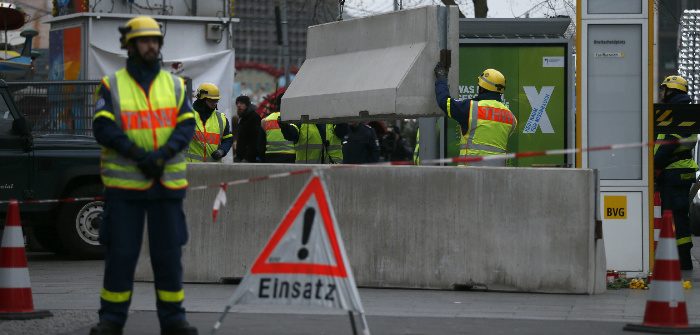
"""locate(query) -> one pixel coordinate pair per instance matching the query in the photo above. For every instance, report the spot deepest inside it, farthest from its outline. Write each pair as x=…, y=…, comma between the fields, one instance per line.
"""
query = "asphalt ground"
x=70, y=290
x=142, y=323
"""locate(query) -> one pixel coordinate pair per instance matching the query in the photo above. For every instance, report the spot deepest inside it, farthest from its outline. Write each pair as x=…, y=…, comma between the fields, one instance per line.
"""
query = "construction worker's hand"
x=440, y=71
x=216, y=155
x=153, y=165
x=136, y=153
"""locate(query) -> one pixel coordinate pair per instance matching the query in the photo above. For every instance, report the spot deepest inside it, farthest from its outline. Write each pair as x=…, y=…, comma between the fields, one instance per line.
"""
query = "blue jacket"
x=360, y=145
x=110, y=135
x=459, y=109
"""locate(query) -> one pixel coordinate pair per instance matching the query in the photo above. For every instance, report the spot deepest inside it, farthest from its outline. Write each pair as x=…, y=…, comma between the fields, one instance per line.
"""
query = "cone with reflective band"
x=666, y=311
x=15, y=288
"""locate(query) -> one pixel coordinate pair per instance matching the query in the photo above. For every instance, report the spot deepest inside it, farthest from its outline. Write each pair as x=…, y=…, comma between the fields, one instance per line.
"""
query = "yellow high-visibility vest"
x=310, y=145
x=490, y=125
x=276, y=144
x=148, y=121
x=207, y=137
x=688, y=163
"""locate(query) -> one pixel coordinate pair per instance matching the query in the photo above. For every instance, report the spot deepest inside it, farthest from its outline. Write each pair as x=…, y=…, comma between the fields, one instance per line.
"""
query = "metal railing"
x=56, y=107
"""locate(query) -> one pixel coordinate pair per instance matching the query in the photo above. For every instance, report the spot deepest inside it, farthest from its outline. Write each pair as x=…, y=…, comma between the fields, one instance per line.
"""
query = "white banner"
x=217, y=68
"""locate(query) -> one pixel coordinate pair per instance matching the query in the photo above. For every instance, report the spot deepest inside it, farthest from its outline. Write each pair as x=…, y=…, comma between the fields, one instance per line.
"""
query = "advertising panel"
x=536, y=93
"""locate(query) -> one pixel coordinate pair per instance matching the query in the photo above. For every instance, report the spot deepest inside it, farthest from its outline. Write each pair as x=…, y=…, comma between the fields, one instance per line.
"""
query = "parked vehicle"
x=51, y=166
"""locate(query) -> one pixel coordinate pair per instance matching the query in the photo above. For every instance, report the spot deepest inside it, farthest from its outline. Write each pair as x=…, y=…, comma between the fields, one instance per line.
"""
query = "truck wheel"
x=79, y=224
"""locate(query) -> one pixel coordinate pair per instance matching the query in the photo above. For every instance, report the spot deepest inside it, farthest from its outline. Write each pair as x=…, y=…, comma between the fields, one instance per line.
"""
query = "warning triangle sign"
x=300, y=243
x=304, y=262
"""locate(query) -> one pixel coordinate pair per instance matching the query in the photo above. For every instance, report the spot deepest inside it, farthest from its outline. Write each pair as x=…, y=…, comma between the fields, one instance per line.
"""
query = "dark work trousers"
x=674, y=196
x=121, y=233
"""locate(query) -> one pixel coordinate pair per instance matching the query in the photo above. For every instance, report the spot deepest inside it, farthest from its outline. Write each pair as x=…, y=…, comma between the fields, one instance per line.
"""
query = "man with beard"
x=213, y=138
x=249, y=131
x=143, y=168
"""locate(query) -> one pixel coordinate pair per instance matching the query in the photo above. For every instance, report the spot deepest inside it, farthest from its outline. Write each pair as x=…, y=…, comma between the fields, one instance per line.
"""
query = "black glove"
x=440, y=71
x=135, y=153
x=152, y=165
x=216, y=155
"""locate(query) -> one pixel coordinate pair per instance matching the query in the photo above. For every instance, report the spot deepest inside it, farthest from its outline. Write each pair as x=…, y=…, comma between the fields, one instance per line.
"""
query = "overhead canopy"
x=374, y=67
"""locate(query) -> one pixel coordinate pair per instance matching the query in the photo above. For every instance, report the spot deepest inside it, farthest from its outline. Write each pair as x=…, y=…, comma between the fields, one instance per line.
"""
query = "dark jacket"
x=395, y=148
x=664, y=155
x=110, y=135
x=360, y=145
x=204, y=113
x=249, y=129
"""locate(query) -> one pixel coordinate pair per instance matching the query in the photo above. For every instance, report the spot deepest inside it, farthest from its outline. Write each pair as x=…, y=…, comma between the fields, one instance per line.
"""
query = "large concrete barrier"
x=374, y=67
x=528, y=230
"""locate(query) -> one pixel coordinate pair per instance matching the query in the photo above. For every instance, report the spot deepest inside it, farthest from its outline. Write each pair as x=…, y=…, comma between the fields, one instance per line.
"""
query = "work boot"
x=105, y=327
x=684, y=257
x=181, y=327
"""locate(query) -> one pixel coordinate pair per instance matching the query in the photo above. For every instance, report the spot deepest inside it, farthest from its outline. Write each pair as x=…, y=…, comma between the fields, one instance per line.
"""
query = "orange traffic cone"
x=15, y=288
x=666, y=311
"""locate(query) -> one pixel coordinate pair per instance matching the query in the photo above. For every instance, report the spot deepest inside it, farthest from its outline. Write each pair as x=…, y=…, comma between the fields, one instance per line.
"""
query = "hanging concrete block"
x=376, y=67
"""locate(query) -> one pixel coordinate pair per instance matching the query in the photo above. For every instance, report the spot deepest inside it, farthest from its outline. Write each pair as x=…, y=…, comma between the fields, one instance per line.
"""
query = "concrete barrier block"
x=380, y=64
x=525, y=230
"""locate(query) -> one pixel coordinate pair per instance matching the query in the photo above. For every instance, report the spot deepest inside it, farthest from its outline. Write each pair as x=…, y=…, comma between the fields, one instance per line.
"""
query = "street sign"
x=304, y=261
x=676, y=119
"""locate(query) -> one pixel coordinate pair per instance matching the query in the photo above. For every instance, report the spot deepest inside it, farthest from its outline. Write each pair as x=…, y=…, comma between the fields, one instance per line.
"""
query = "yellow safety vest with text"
x=147, y=120
x=207, y=137
x=276, y=144
x=490, y=125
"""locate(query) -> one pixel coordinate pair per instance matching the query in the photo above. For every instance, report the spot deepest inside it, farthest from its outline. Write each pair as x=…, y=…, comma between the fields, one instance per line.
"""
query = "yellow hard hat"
x=492, y=80
x=676, y=82
x=140, y=26
x=208, y=91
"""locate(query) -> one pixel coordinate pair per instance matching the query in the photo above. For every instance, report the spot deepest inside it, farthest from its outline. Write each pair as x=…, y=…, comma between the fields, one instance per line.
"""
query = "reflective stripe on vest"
x=207, y=137
x=490, y=125
x=147, y=120
x=276, y=144
x=310, y=146
x=687, y=163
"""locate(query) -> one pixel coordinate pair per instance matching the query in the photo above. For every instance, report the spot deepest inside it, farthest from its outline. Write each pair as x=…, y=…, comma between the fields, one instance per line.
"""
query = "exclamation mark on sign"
x=309, y=215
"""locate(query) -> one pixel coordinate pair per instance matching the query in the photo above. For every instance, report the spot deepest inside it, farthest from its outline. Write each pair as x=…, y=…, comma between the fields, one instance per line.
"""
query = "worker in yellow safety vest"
x=277, y=148
x=486, y=122
x=143, y=122
x=675, y=170
x=212, y=138
x=318, y=143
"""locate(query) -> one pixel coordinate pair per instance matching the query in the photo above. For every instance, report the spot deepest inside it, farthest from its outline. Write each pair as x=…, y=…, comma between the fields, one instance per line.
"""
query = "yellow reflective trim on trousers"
x=684, y=240
x=185, y=116
x=106, y=114
x=227, y=136
x=115, y=297
x=170, y=296
x=449, y=110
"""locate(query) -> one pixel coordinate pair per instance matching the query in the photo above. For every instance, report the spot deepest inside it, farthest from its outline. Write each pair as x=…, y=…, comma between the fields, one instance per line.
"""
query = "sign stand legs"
x=352, y=323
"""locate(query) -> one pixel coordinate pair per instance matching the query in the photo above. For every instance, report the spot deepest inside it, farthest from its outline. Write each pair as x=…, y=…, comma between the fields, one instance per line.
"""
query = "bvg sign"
x=615, y=207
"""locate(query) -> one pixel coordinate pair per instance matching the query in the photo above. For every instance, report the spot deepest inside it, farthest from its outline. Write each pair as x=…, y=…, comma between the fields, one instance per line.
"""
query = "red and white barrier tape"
x=54, y=201
x=221, y=199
